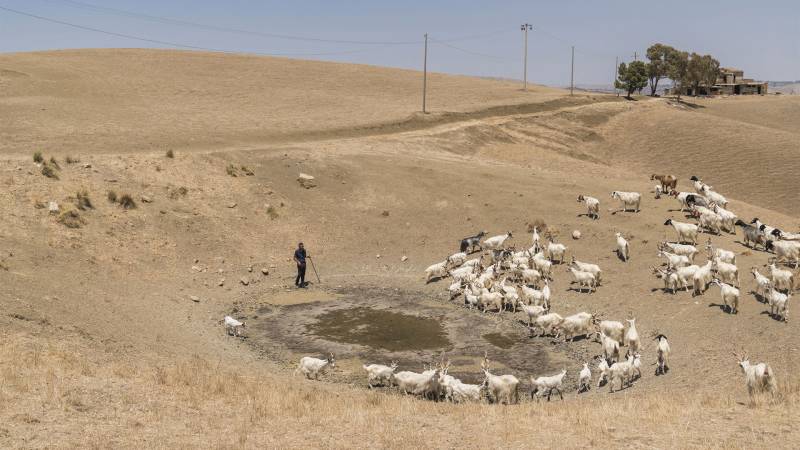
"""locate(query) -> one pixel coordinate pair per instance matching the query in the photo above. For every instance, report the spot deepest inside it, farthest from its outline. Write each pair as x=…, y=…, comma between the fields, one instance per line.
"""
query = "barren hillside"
x=111, y=333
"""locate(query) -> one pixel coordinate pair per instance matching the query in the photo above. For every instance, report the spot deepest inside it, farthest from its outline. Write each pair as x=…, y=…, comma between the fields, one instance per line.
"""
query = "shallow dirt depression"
x=364, y=325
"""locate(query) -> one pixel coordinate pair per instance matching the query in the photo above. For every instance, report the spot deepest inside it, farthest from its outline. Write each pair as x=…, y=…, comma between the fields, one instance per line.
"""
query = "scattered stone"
x=307, y=181
x=194, y=298
x=197, y=268
x=244, y=281
x=404, y=258
x=264, y=271
x=220, y=270
x=385, y=213
x=87, y=166
x=53, y=207
x=146, y=199
x=576, y=234
x=196, y=260
x=250, y=269
x=378, y=255
x=221, y=282
x=232, y=205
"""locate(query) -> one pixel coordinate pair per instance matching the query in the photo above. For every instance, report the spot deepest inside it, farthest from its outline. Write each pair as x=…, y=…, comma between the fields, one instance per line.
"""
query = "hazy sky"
x=760, y=37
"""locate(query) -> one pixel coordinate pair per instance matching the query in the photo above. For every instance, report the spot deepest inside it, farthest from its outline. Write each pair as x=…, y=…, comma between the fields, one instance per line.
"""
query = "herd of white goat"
x=505, y=279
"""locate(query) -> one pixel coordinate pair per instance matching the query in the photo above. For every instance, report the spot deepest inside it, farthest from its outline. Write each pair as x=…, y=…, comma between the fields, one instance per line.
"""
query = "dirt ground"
x=111, y=332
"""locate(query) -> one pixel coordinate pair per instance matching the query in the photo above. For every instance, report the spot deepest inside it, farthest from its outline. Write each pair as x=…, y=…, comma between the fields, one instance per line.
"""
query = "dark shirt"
x=300, y=255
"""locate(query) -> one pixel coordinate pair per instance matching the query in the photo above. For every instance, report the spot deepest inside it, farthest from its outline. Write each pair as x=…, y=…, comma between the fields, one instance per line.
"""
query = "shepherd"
x=300, y=260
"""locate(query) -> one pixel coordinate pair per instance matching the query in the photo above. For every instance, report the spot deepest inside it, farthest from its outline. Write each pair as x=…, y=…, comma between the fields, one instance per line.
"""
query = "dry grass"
x=71, y=218
x=71, y=160
x=127, y=201
x=49, y=170
x=82, y=200
x=193, y=402
x=231, y=170
x=272, y=212
x=112, y=196
x=37, y=157
x=170, y=154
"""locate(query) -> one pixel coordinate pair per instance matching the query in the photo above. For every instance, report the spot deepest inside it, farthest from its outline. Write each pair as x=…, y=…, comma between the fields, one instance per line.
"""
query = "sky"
x=480, y=38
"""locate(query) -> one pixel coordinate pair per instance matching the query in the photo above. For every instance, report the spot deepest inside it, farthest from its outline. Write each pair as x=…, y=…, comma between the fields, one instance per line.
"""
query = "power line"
x=168, y=43
x=186, y=23
x=469, y=52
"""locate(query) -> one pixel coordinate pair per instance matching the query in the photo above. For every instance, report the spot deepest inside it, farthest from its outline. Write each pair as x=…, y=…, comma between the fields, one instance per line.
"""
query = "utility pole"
x=616, y=72
x=635, y=56
x=572, y=73
x=525, y=27
x=425, y=74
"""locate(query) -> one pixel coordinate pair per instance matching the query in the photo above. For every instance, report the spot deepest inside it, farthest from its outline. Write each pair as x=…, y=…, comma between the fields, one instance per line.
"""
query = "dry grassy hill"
x=110, y=334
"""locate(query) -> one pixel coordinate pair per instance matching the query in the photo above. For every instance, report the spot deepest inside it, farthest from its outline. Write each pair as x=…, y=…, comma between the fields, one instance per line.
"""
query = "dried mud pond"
x=365, y=324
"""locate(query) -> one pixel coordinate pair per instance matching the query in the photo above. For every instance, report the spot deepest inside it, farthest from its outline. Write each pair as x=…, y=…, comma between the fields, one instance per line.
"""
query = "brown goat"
x=668, y=182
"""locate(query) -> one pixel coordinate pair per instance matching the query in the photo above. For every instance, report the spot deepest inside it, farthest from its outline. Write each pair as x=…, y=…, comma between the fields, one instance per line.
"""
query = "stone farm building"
x=731, y=82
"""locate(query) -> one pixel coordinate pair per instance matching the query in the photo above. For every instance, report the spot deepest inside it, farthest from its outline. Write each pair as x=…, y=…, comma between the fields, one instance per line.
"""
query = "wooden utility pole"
x=572, y=73
x=616, y=72
x=525, y=27
x=635, y=56
x=425, y=75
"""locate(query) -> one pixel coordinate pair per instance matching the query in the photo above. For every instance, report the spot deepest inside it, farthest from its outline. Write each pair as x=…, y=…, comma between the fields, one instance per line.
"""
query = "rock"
x=385, y=213
x=250, y=269
x=87, y=166
x=220, y=270
x=232, y=205
x=404, y=258
x=221, y=282
x=307, y=181
x=576, y=234
x=197, y=268
x=264, y=271
x=53, y=207
x=194, y=298
x=146, y=199
x=378, y=255
x=244, y=281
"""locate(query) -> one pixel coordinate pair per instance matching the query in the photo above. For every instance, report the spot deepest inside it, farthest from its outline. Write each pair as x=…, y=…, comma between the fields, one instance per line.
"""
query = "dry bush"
x=49, y=170
x=246, y=170
x=178, y=192
x=38, y=204
x=55, y=163
x=127, y=202
x=272, y=212
x=71, y=218
x=112, y=196
x=37, y=157
x=231, y=170
x=82, y=200
x=540, y=225
x=71, y=160
x=170, y=154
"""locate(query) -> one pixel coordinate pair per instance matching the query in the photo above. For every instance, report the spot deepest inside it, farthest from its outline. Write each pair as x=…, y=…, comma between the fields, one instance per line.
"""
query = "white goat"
x=632, y=340
x=547, y=384
x=585, y=379
x=778, y=305
x=233, y=327
x=713, y=196
x=711, y=222
x=603, y=368
x=687, y=232
x=629, y=200
x=728, y=273
x=584, y=279
x=457, y=259
x=496, y=242
x=555, y=251
x=312, y=367
x=763, y=284
x=702, y=277
x=424, y=383
x=533, y=312
x=500, y=387
x=622, y=371
x=610, y=347
x=579, y=324
x=547, y=322
x=785, y=251
x=663, y=351
x=673, y=260
x=730, y=295
x=438, y=270
x=758, y=377
x=728, y=218
x=612, y=329
x=623, y=249
x=670, y=277
x=592, y=206
x=594, y=269
x=688, y=251
x=380, y=374
x=782, y=279
x=718, y=253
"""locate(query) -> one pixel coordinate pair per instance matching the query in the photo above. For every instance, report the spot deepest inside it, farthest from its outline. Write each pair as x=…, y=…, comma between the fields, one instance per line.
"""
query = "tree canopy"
x=631, y=77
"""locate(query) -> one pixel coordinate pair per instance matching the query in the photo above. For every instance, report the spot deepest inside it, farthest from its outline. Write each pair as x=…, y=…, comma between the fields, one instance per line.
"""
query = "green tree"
x=702, y=70
x=677, y=69
x=631, y=77
x=658, y=67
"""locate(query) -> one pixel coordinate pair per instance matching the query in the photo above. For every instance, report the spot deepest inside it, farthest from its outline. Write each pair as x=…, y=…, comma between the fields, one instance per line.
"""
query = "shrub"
x=82, y=200
x=112, y=196
x=49, y=170
x=37, y=157
x=170, y=153
x=54, y=162
x=231, y=170
x=71, y=218
x=271, y=212
x=178, y=192
x=71, y=160
x=127, y=202
x=247, y=171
